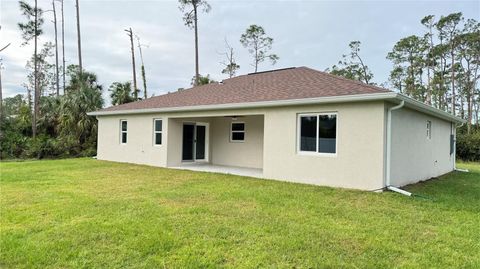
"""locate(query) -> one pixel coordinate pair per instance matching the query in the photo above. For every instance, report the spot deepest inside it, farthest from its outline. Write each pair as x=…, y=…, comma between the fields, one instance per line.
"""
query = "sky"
x=306, y=33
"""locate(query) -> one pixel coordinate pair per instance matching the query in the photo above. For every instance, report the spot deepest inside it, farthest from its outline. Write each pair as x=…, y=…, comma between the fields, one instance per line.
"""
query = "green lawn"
x=96, y=214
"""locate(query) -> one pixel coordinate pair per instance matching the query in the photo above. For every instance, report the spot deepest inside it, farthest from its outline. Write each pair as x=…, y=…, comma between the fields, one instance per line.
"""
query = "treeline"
x=50, y=119
x=440, y=68
x=63, y=127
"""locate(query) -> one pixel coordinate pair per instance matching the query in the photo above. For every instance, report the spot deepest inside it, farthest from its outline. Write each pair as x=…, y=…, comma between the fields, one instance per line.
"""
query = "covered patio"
x=230, y=144
x=212, y=168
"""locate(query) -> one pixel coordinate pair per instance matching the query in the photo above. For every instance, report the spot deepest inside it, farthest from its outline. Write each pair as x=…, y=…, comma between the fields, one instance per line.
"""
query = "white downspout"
x=389, y=144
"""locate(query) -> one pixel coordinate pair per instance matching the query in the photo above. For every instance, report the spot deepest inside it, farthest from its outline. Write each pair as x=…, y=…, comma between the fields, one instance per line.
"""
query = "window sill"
x=317, y=154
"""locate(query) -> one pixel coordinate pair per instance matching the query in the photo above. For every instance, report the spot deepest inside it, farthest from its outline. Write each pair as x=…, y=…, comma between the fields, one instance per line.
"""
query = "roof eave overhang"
x=421, y=107
x=261, y=104
x=386, y=96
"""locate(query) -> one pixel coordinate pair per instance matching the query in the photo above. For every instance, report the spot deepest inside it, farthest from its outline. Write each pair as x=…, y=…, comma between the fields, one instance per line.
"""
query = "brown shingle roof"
x=282, y=84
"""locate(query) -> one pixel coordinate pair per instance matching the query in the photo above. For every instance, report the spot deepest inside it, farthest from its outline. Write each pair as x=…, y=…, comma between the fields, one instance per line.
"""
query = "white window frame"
x=429, y=129
x=122, y=131
x=316, y=153
x=232, y=131
x=155, y=132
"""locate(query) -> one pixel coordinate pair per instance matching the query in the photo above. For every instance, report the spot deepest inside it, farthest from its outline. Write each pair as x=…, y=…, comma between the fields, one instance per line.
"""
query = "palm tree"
x=83, y=95
x=121, y=93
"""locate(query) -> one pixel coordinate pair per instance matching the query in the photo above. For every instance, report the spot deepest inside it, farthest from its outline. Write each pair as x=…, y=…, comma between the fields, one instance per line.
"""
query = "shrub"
x=41, y=147
x=468, y=146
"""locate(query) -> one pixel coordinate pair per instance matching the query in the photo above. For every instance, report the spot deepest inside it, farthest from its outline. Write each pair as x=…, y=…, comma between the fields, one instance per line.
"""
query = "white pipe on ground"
x=461, y=170
x=399, y=190
x=389, y=142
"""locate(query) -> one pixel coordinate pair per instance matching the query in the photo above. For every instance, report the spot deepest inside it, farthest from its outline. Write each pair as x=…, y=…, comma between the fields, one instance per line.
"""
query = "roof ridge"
x=272, y=70
x=349, y=80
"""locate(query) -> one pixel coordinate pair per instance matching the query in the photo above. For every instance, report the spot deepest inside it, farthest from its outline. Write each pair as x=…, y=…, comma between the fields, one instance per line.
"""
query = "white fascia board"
x=291, y=102
x=421, y=107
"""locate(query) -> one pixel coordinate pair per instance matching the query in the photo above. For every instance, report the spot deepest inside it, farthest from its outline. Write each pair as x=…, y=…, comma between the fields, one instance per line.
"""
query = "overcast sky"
x=306, y=33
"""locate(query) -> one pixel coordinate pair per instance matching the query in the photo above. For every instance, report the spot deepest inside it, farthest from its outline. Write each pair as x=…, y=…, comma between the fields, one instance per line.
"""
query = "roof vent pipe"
x=389, y=143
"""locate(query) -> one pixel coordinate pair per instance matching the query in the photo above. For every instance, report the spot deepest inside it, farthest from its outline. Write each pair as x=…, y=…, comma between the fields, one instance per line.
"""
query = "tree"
x=449, y=52
x=63, y=47
x=45, y=78
x=258, y=44
x=202, y=80
x=57, y=83
x=190, y=17
x=135, y=89
x=32, y=30
x=397, y=78
x=1, y=89
x=448, y=28
x=469, y=59
x=79, y=40
x=352, y=65
x=230, y=64
x=84, y=94
x=121, y=93
x=144, y=79
x=409, y=53
x=429, y=23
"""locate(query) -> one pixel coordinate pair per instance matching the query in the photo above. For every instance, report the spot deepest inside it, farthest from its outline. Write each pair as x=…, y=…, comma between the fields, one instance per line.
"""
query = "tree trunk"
x=477, y=112
x=63, y=48
x=144, y=79
x=1, y=98
x=144, y=82
x=35, y=75
x=1, y=91
x=1, y=105
x=57, y=83
x=256, y=58
x=364, y=69
x=197, y=71
x=469, y=110
x=453, y=81
x=430, y=68
x=429, y=87
x=79, y=39
x=135, y=93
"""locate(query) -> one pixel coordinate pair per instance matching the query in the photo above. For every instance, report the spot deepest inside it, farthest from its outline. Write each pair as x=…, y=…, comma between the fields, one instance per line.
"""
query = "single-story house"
x=292, y=124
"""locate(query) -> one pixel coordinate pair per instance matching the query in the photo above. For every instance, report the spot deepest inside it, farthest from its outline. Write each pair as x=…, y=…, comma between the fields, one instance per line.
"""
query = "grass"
x=84, y=213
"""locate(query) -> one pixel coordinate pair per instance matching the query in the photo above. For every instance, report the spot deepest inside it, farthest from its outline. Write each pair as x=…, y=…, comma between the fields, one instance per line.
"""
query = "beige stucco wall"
x=271, y=139
x=360, y=139
x=139, y=147
x=414, y=156
x=244, y=154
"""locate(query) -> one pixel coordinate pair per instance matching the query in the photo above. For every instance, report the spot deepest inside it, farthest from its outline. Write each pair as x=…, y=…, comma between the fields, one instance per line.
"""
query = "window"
x=429, y=129
x=157, y=132
x=123, y=131
x=237, y=133
x=318, y=133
